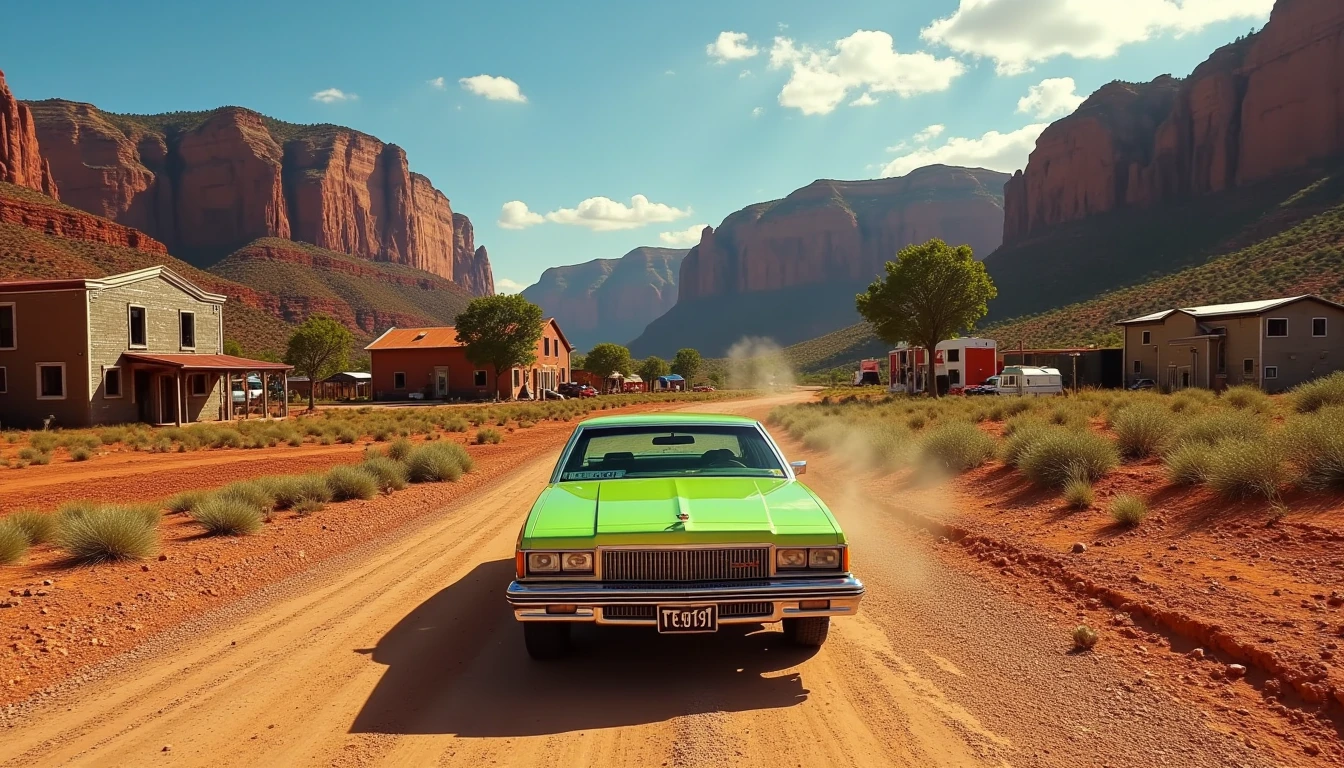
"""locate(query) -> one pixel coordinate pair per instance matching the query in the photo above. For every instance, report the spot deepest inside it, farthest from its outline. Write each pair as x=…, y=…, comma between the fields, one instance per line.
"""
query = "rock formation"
x=207, y=182
x=471, y=265
x=21, y=160
x=50, y=218
x=609, y=299
x=1265, y=105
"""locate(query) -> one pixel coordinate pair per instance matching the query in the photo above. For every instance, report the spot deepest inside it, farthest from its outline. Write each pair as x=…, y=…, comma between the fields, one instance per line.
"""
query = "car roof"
x=665, y=419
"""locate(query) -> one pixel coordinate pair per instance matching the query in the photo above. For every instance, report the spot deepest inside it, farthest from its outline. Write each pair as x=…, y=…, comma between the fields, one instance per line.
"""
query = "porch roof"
x=207, y=362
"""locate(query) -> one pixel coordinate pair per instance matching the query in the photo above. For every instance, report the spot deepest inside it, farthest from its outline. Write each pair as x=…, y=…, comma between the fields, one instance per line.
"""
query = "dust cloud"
x=758, y=363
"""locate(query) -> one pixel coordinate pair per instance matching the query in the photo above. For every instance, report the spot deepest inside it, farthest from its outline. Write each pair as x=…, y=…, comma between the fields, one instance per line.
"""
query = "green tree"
x=502, y=331
x=606, y=358
x=577, y=361
x=687, y=364
x=716, y=379
x=232, y=347
x=318, y=349
x=651, y=368
x=930, y=293
x=363, y=364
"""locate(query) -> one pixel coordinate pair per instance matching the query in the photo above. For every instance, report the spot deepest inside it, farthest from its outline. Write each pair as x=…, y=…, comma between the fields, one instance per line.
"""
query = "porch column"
x=247, y=396
x=177, y=388
x=285, y=381
x=224, y=398
x=266, y=394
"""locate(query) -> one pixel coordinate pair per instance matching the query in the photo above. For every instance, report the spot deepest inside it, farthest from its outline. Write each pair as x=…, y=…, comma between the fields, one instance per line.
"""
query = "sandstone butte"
x=21, y=160
x=843, y=230
x=1264, y=105
x=206, y=182
x=609, y=299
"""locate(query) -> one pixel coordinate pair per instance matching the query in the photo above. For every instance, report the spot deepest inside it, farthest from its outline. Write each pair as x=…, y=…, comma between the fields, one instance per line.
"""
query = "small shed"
x=346, y=385
x=634, y=383
x=670, y=383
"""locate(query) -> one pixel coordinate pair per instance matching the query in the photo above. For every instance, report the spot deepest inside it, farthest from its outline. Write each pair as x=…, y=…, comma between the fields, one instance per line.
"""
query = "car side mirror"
x=799, y=467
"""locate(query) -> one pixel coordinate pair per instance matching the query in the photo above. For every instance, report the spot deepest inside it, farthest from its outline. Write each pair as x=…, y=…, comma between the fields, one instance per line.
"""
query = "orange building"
x=432, y=362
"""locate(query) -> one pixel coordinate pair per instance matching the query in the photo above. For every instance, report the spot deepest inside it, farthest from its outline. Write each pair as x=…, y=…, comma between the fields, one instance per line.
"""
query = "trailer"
x=1027, y=381
x=958, y=363
x=869, y=373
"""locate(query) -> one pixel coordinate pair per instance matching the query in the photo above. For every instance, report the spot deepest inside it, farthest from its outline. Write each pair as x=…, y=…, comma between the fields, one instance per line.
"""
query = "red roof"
x=442, y=337
x=208, y=362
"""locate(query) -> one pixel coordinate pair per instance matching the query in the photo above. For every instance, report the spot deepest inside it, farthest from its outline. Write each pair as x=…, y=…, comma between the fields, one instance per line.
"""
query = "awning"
x=207, y=362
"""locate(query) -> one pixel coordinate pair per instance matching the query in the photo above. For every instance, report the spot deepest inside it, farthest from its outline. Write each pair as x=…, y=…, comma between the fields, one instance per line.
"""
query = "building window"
x=1248, y=366
x=399, y=380
x=1276, y=326
x=4, y=381
x=1271, y=371
x=139, y=331
x=1317, y=328
x=8, y=335
x=197, y=384
x=1138, y=366
x=111, y=382
x=954, y=355
x=545, y=345
x=1222, y=355
x=1147, y=337
x=479, y=378
x=954, y=377
x=515, y=377
x=51, y=381
x=186, y=323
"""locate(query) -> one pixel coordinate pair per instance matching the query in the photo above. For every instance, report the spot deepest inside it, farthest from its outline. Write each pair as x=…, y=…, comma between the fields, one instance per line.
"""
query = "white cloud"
x=515, y=215
x=1052, y=97
x=865, y=100
x=505, y=285
x=744, y=73
x=669, y=72
x=332, y=95
x=493, y=88
x=731, y=46
x=436, y=83
x=602, y=214
x=1016, y=34
x=757, y=111
x=996, y=151
x=681, y=237
x=928, y=134
x=821, y=78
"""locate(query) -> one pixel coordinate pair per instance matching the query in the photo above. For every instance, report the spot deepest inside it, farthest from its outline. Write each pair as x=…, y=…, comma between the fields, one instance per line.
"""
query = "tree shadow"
x=456, y=664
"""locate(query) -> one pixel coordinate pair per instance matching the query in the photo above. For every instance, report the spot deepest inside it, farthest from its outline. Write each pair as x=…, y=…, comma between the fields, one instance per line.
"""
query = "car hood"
x=674, y=510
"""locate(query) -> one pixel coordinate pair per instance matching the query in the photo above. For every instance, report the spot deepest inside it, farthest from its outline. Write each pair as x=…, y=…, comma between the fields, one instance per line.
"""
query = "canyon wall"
x=471, y=264
x=609, y=299
x=21, y=160
x=206, y=183
x=1262, y=106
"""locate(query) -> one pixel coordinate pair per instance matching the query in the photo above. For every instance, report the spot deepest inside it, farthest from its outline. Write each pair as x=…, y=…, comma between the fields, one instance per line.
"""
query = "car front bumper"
x=752, y=602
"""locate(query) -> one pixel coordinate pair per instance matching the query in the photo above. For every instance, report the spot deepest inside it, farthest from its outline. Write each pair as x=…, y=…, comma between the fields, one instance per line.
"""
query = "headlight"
x=543, y=562
x=577, y=561
x=790, y=558
x=824, y=559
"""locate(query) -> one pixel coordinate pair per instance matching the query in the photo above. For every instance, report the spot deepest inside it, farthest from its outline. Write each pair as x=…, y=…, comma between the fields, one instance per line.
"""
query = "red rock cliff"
x=21, y=161
x=843, y=230
x=207, y=182
x=1267, y=104
x=471, y=265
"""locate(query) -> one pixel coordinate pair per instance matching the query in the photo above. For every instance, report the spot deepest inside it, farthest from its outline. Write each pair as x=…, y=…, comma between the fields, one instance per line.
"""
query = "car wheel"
x=810, y=632
x=546, y=640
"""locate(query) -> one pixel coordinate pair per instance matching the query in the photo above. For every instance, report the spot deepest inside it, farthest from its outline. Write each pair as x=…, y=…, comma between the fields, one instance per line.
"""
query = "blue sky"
x=617, y=99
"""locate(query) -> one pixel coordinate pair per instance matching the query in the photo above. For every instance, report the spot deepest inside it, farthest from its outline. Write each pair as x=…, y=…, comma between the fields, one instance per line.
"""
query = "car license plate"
x=688, y=618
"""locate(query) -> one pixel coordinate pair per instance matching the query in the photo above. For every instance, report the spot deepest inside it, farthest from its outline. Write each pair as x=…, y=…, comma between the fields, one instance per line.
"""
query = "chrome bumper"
x=529, y=600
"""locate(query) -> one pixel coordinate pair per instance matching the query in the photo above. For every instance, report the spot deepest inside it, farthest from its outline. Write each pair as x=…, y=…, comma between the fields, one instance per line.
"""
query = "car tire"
x=546, y=640
x=810, y=632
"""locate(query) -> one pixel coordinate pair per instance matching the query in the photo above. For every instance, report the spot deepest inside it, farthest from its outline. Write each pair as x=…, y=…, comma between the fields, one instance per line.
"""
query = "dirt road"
x=404, y=653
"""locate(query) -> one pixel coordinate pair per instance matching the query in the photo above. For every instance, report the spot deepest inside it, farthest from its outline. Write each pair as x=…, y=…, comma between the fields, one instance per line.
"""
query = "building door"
x=144, y=397
x=167, y=400
x=441, y=383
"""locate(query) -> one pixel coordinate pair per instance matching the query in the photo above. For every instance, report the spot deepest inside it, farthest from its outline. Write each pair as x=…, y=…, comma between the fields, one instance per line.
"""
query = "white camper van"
x=1023, y=380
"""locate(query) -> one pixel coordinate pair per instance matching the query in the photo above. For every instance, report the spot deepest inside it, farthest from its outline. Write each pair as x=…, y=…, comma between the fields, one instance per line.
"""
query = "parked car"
x=569, y=388
x=651, y=520
x=549, y=394
x=702, y=388
x=989, y=386
x=1142, y=384
x=253, y=392
x=416, y=396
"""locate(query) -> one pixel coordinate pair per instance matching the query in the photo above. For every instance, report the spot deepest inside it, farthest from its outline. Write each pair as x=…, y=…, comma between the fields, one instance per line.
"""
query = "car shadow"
x=456, y=664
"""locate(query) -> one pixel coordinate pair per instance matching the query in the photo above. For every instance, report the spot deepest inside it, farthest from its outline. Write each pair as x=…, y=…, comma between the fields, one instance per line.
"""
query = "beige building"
x=139, y=346
x=1274, y=344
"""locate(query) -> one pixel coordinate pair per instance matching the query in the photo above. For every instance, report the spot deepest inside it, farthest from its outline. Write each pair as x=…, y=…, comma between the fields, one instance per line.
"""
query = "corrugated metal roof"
x=208, y=362
x=440, y=337
x=1218, y=310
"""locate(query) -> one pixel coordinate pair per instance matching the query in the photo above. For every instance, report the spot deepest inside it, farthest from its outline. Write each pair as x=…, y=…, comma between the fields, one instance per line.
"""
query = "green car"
x=680, y=522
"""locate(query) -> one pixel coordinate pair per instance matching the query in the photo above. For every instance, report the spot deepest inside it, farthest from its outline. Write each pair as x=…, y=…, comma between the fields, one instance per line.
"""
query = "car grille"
x=739, y=610
x=652, y=565
x=648, y=612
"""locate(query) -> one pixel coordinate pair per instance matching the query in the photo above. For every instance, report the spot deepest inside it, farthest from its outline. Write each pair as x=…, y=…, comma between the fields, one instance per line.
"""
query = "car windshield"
x=671, y=451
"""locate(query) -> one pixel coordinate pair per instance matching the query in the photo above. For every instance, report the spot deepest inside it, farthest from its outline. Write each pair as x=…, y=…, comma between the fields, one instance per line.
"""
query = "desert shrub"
x=254, y=493
x=390, y=475
x=1245, y=468
x=825, y=435
x=114, y=532
x=437, y=462
x=382, y=432
x=34, y=456
x=1191, y=400
x=73, y=509
x=348, y=483
x=1078, y=492
x=1015, y=406
x=1189, y=463
x=955, y=447
x=291, y=490
x=13, y=542
x=1142, y=430
x=400, y=449
x=43, y=442
x=487, y=435
x=1060, y=455
x=1246, y=397
x=37, y=527
x=1084, y=637
x=346, y=435
x=307, y=507
x=917, y=421
x=1315, y=445
x=1315, y=395
x=113, y=435
x=889, y=446
x=1128, y=510
x=80, y=453
x=1024, y=434
x=228, y=516
x=1209, y=429
x=456, y=424
x=183, y=503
